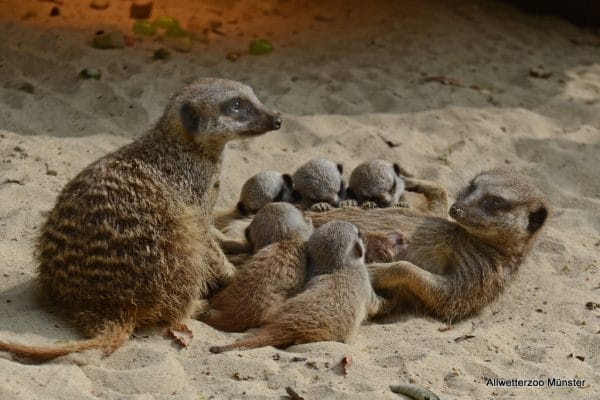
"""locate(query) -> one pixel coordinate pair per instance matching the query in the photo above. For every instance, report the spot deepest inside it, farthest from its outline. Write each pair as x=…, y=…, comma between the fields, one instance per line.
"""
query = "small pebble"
x=27, y=88
x=161, y=54
x=165, y=22
x=140, y=10
x=109, y=40
x=144, y=27
x=233, y=56
x=260, y=46
x=99, y=4
x=90, y=73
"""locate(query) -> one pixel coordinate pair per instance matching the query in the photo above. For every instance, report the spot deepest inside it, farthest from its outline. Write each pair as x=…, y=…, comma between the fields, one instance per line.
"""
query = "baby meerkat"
x=264, y=188
x=376, y=183
x=337, y=298
x=129, y=241
x=274, y=273
x=318, y=184
x=452, y=269
x=261, y=189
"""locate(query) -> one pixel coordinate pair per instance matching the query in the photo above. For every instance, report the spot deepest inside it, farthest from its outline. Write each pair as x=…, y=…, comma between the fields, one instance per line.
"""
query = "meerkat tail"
x=108, y=341
x=415, y=392
x=262, y=338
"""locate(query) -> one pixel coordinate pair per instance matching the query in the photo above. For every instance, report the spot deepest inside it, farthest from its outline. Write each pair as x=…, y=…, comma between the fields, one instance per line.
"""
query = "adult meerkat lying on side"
x=337, y=298
x=129, y=241
x=376, y=183
x=453, y=269
x=318, y=184
x=274, y=273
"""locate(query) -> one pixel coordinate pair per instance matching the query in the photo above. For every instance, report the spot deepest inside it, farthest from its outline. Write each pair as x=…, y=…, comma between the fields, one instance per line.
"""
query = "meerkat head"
x=275, y=222
x=378, y=181
x=334, y=246
x=319, y=180
x=500, y=206
x=264, y=188
x=218, y=110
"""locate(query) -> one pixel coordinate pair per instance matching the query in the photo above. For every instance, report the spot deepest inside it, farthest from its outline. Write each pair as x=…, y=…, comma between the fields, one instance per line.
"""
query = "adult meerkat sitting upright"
x=376, y=183
x=452, y=269
x=128, y=242
x=275, y=272
x=318, y=184
x=337, y=298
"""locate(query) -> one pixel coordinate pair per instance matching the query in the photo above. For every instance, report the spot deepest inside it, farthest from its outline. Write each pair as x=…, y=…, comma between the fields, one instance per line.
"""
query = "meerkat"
x=318, y=184
x=452, y=269
x=261, y=189
x=376, y=183
x=274, y=273
x=128, y=242
x=335, y=301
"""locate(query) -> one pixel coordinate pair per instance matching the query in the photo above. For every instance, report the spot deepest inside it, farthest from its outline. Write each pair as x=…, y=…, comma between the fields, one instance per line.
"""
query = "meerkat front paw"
x=348, y=203
x=403, y=204
x=320, y=207
x=368, y=205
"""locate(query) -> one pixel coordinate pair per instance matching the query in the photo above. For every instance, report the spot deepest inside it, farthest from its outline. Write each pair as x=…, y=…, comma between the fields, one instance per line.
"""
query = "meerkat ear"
x=397, y=169
x=287, y=178
x=358, y=250
x=190, y=118
x=537, y=219
x=350, y=194
x=340, y=168
x=296, y=195
x=242, y=208
x=247, y=235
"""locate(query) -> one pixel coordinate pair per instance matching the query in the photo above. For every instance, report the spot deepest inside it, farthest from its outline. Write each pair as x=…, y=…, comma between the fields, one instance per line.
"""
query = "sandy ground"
x=349, y=80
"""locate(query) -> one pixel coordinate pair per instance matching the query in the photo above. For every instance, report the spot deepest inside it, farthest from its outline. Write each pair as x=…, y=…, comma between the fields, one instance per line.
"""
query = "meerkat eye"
x=491, y=203
x=236, y=105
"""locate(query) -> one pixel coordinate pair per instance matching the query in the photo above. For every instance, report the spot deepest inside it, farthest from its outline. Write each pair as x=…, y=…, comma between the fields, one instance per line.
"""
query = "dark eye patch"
x=495, y=203
x=393, y=189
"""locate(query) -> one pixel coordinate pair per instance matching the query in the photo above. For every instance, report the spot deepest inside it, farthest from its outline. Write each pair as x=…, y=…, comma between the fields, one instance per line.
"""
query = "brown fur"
x=453, y=269
x=128, y=242
x=274, y=273
x=336, y=300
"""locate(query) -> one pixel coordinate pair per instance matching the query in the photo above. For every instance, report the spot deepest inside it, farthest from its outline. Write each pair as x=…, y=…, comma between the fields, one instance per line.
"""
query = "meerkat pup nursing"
x=275, y=272
x=452, y=269
x=129, y=241
x=337, y=298
x=376, y=183
x=318, y=184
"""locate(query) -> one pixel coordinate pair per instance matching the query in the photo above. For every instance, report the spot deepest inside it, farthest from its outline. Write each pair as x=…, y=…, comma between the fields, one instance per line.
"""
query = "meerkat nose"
x=277, y=122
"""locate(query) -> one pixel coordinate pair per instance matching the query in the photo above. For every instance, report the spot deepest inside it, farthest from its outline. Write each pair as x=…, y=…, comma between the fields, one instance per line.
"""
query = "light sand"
x=348, y=79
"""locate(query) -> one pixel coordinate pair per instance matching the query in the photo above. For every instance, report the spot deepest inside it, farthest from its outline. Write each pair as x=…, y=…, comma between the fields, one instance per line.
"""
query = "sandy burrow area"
x=349, y=80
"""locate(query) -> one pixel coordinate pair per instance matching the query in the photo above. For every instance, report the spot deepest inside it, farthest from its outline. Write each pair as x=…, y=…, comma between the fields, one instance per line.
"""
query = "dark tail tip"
x=215, y=349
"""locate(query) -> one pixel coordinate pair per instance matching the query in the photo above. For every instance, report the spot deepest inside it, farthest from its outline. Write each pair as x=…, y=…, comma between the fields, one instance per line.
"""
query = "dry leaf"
x=183, y=335
x=346, y=362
